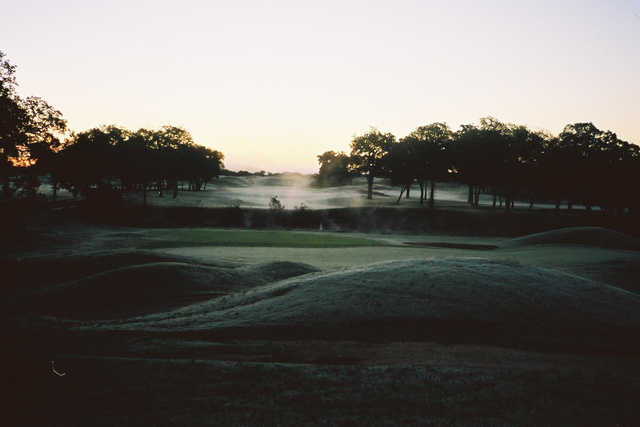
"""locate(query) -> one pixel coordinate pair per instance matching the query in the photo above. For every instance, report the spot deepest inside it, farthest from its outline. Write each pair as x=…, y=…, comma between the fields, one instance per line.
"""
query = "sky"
x=272, y=84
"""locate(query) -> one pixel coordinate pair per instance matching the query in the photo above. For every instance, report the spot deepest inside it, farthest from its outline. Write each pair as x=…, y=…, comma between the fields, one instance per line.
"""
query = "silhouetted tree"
x=477, y=156
x=526, y=163
x=429, y=159
x=92, y=161
x=138, y=162
x=168, y=140
x=12, y=120
x=401, y=166
x=199, y=165
x=334, y=168
x=110, y=157
x=28, y=128
x=368, y=153
x=578, y=146
x=497, y=158
x=582, y=165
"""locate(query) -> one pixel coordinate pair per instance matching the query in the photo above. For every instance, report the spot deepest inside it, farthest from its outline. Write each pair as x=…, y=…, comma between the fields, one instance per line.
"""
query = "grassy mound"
x=463, y=300
x=34, y=272
x=590, y=236
x=152, y=287
x=279, y=270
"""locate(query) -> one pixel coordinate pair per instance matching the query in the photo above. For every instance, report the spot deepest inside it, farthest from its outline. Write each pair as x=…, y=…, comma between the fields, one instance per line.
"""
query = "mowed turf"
x=254, y=238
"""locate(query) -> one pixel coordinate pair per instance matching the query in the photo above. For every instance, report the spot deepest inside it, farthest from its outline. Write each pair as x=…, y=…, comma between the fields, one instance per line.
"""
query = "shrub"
x=275, y=204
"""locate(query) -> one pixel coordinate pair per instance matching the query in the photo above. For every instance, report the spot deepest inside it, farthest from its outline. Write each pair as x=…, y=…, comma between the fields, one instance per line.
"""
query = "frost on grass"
x=153, y=287
x=517, y=299
x=589, y=236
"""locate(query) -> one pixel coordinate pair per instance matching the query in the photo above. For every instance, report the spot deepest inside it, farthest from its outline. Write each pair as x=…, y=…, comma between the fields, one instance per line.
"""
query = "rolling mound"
x=460, y=300
x=278, y=270
x=34, y=272
x=151, y=287
x=590, y=236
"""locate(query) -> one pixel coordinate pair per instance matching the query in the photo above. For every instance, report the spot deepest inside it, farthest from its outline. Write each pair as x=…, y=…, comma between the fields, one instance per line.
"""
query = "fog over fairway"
x=291, y=190
x=257, y=192
x=296, y=190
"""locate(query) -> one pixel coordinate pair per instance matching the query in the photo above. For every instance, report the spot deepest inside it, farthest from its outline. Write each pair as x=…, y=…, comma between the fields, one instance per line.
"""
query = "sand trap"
x=155, y=287
x=456, y=300
x=590, y=236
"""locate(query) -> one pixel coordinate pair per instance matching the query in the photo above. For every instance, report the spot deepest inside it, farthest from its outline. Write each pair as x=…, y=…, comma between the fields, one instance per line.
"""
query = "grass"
x=171, y=385
x=121, y=391
x=252, y=238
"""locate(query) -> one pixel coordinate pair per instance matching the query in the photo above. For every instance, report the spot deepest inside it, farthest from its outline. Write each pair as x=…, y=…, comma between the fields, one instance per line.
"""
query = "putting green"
x=254, y=238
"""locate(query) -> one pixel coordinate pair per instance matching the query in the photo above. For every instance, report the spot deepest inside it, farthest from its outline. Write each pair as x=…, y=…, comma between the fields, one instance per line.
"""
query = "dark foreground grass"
x=253, y=238
x=179, y=392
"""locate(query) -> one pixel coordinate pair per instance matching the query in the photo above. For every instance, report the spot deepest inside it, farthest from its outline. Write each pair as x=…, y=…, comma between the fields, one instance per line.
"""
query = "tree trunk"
x=144, y=194
x=431, y=192
x=422, y=195
x=84, y=191
x=470, y=195
x=476, y=197
x=370, y=185
x=400, y=196
x=408, y=190
x=495, y=197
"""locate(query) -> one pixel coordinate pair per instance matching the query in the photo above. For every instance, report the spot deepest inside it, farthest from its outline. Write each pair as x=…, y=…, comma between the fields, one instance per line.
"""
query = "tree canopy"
x=30, y=128
x=334, y=168
x=34, y=141
x=583, y=164
x=368, y=154
x=427, y=157
x=116, y=158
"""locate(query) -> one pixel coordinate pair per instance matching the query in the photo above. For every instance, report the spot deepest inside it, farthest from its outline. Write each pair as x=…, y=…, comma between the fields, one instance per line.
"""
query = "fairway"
x=252, y=238
x=248, y=319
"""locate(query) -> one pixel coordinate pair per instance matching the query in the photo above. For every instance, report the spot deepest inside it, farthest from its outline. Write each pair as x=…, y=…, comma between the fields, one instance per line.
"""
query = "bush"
x=275, y=204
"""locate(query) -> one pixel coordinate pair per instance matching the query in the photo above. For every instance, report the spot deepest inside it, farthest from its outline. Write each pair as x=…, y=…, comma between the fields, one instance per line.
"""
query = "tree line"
x=132, y=161
x=582, y=165
x=35, y=141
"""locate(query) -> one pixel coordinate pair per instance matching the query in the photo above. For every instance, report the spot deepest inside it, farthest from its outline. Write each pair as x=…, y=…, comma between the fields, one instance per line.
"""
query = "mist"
x=295, y=191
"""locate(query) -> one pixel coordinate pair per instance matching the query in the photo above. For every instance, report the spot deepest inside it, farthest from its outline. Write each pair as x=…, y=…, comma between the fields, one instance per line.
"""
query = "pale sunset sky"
x=272, y=84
